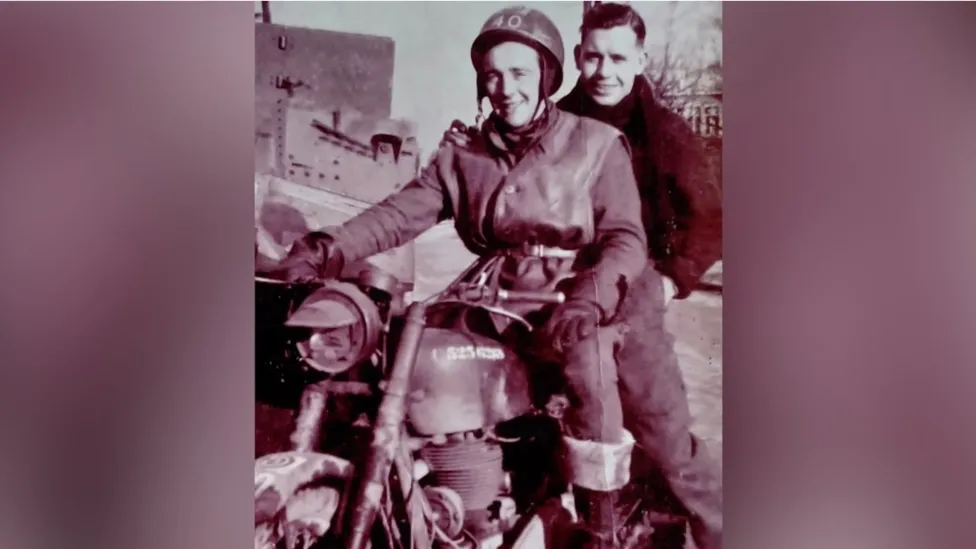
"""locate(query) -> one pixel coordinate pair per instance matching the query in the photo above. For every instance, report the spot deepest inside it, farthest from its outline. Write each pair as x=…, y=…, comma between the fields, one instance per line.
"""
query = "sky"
x=433, y=81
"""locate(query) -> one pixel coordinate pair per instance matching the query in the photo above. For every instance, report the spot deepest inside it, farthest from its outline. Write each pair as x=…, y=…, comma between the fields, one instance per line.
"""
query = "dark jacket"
x=573, y=189
x=682, y=201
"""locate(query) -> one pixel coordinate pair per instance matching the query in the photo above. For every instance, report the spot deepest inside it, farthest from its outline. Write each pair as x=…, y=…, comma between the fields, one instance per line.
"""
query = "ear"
x=576, y=57
x=644, y=59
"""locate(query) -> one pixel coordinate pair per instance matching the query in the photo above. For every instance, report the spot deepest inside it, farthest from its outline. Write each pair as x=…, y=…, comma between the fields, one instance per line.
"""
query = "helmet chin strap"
x=544, y=83
x=479, y=118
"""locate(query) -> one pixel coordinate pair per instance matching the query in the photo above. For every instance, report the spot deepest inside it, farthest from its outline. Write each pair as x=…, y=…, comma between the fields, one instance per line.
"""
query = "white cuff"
x=598, y=466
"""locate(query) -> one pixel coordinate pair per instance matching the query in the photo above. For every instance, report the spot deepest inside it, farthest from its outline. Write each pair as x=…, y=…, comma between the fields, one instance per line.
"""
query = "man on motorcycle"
x=683, y=218
x=555, y=196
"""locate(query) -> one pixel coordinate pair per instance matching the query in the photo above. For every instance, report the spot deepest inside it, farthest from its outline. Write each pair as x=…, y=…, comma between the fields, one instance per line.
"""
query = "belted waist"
x=538, y=250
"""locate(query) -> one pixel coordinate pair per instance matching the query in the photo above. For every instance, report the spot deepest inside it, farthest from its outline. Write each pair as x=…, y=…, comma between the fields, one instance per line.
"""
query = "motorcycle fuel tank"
x=462, y=382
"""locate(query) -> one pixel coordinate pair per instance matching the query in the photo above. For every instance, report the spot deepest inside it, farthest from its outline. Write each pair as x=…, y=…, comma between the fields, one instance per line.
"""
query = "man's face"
x=512, y=76
x=609, y=60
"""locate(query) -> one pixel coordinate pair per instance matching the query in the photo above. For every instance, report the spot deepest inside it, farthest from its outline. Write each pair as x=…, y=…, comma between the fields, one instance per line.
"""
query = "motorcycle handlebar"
x=260, y=277
x=537, y=297
x=479, y=294
x=268, y=270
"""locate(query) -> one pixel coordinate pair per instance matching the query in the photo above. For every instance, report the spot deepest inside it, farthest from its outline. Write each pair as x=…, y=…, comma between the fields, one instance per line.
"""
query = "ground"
x=696, y=324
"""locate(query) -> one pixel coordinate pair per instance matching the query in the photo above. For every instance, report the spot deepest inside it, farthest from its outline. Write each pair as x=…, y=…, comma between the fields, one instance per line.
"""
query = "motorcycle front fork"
x=311, y=413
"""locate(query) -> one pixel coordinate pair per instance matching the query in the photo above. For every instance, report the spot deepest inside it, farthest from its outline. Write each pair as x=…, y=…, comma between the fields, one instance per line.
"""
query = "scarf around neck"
x=628, y=116
x=513, y=143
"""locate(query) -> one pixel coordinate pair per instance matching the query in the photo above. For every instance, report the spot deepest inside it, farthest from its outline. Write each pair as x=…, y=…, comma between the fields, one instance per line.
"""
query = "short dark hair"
x=609, y=15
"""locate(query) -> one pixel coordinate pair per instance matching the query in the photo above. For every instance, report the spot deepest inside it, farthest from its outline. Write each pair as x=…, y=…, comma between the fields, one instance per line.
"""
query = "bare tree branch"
x=672, y=74
x=689, y=80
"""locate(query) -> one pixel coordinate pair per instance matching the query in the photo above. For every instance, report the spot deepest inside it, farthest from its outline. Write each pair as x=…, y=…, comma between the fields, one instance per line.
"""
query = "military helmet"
x=526, y=25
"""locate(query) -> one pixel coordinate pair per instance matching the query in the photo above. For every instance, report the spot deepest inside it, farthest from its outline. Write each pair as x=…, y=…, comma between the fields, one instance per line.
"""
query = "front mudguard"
x=296, y=492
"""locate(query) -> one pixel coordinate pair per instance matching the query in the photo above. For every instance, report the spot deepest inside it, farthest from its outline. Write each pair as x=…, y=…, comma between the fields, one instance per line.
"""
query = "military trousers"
x=655, y=407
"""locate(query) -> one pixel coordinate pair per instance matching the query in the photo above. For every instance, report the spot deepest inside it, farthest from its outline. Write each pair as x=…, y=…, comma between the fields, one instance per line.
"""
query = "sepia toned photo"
x=488, y=275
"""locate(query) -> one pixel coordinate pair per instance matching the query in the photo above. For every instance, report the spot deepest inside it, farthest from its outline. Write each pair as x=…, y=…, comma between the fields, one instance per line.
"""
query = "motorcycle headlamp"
x=344, y=324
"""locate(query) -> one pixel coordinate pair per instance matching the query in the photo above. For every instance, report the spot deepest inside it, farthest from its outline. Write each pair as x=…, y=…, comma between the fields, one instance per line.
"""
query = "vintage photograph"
x=488, y=275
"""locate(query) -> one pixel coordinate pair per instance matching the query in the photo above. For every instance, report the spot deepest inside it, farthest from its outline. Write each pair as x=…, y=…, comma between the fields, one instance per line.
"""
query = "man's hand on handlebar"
x=265, y=266
x=570, y=323
x=310, y=259
x=298, y=271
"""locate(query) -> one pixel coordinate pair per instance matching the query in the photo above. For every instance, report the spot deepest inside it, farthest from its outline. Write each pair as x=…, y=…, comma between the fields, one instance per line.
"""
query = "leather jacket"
x=574, y=189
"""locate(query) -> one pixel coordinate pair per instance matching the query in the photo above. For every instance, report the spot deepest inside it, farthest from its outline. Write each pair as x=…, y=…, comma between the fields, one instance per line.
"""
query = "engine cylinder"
x=472, y=468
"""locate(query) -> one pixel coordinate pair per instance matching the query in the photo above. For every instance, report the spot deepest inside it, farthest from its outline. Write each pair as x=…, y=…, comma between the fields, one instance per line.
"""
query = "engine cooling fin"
x=472, y=468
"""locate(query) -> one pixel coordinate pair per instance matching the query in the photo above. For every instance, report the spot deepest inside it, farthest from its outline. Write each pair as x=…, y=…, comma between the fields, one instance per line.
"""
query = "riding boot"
x=598, y=471
x=598, y=518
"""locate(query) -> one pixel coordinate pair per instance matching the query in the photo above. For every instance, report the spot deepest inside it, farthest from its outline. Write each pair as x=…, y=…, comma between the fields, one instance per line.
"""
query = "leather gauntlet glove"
x=312, y=258
x=570, y=322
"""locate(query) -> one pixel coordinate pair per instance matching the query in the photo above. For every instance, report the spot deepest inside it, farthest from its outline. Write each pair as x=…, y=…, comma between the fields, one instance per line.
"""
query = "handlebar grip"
x=538, y=297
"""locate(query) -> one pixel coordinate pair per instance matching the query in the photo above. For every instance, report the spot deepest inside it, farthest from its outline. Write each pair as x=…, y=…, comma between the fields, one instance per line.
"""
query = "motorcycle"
x=422, y=430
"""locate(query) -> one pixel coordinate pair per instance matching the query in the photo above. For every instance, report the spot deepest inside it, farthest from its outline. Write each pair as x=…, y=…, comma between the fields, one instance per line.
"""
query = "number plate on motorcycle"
x=470, y=352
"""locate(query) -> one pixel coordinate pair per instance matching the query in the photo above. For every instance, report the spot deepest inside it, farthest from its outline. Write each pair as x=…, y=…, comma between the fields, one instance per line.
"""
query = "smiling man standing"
x=682, y=213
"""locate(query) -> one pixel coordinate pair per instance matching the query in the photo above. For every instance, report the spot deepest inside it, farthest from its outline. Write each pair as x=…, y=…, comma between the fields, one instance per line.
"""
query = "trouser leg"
x=597, y=447
x=654, y=398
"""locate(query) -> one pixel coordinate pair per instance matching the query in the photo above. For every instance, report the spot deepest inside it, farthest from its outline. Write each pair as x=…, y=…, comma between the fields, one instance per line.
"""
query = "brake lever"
x=478, y=295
